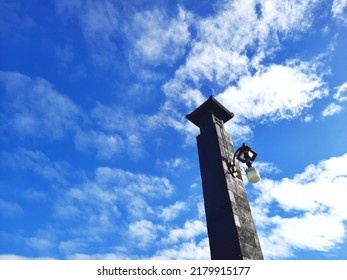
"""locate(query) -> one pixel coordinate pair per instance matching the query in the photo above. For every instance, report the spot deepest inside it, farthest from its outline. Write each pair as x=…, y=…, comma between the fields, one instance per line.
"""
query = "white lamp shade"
x=252, y=175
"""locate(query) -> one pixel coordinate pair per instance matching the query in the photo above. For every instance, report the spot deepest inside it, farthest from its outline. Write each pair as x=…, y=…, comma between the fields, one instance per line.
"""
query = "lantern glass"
x=252, y=175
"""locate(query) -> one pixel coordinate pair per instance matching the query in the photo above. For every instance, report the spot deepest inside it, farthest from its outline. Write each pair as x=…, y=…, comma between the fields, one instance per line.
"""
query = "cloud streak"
x=33, y=107
x=331, y=110
x=156, y=38
x=99, y=24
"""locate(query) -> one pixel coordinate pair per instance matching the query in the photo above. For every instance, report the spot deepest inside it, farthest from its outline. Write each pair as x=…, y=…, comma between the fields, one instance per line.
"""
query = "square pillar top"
x=210, y=107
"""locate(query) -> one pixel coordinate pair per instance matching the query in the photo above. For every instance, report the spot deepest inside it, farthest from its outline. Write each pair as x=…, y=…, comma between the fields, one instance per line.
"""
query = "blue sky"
x=98, y=160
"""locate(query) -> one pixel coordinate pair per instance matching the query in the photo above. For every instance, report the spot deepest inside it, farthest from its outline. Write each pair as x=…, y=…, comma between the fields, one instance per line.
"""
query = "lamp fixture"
x=246, y=155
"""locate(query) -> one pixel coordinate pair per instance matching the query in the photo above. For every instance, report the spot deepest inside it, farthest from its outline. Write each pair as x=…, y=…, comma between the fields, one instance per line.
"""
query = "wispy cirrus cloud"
x=331, y=110
x=142, y=232
x=341, y=93
x=190, y=230
x=189, y=250
x=99, y=23
x=338, y=105
x=267, y=168
x=155, y=38
x=186, y=242
x=38, y=163
x=33, y=107
x=174, y=165
x=17, y=257
x=133, y=128
x=40, y=244
x=308, y=118
x=106, y=145
x=170, y=212
x=339, y=10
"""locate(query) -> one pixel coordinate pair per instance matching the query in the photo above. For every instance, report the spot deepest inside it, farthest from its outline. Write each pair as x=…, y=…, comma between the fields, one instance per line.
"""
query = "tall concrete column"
x=231, y=231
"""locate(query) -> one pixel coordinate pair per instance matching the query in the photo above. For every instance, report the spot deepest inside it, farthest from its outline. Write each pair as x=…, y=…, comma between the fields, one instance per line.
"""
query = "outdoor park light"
x=246, y=155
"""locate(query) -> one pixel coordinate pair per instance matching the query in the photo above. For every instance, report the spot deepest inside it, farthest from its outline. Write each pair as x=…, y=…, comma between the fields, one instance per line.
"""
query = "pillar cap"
x=210, y=107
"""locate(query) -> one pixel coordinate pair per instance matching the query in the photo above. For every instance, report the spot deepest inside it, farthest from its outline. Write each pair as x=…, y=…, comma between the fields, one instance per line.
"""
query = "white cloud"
x=39, y=163
x=107, y=145
x=12, y=257
x=157, y=39
x=70, y=246
x=34, y=195
x=201, y=210
x=138, y=207
x=319, y=232
x=135, y=145
x=213, y=63
x=39, y=243
x=341, y=94
x=17, y=257
x=174, y=165
x=277, y=92
x=99, y=23
x=34, y=108
x=331, y=110
x=126, y=126
x=143, y=233
x=143, y=184
x=313, y=207
x=308, y=118
x=171, y=212
x=186, y=251
x=190, y=231
x=339, y=10
x=106, y=256
x=288, y=15
x=266, y=168
x=219, y=53
x=96, y=200
x=113, y=118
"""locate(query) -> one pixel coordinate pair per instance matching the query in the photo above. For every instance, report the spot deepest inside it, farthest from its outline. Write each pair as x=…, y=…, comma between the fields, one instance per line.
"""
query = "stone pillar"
x=231, y=231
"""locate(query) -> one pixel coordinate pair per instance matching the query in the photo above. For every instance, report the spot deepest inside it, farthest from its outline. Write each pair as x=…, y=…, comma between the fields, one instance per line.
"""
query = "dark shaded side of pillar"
x=231, y=231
